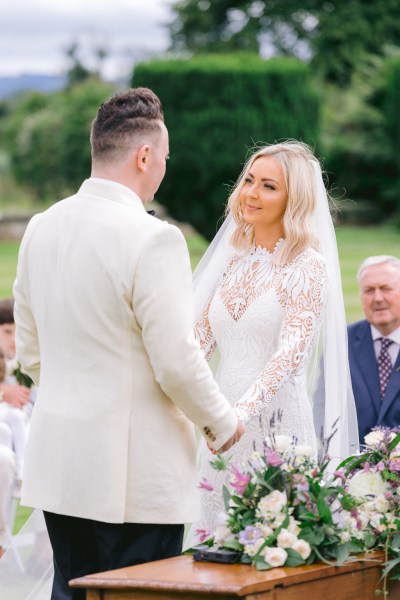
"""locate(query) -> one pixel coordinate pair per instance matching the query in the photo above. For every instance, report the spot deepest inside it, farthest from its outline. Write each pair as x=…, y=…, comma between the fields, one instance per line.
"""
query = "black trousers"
x=83, y=546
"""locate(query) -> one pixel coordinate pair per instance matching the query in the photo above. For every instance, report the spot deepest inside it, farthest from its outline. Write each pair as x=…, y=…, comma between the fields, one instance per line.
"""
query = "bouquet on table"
x=281, y=509
x=373, y=481
x=284, y=509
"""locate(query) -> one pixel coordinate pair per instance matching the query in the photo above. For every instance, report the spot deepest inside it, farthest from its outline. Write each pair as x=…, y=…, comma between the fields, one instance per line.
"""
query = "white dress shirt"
x=393, y=348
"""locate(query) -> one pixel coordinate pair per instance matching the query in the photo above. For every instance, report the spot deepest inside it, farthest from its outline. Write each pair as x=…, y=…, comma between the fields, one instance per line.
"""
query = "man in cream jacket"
x=104, y=327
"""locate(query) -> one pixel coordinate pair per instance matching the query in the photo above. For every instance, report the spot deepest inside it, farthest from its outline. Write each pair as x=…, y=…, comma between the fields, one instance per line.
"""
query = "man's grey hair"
x=377, y=260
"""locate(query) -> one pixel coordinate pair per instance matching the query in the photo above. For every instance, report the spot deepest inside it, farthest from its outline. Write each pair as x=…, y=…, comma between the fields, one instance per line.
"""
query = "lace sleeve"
x=203, y=332
x=304, y=289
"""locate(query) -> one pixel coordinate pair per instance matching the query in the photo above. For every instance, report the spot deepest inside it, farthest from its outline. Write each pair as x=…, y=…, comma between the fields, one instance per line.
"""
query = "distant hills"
x=9, y=86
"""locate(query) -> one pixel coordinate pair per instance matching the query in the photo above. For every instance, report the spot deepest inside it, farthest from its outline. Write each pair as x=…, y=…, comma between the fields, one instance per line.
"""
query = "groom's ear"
x=143, y=157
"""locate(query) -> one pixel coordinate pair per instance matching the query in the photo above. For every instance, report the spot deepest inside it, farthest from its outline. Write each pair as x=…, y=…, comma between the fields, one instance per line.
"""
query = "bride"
x=263, y=290
x=266, y=291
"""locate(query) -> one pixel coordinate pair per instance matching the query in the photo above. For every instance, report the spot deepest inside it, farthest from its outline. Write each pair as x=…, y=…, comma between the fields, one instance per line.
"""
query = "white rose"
x=381, y=504
x=368, y=508
x=282, y=442
x=222, y=534
x=276, y=557
x=374, y=438
x=303, y=548
x=306, y=451
x=344, y=537
x=278, y=520
x=265, y=530
x=366, y=483
x=286, y=539
x=272, y=504
x=293, y=526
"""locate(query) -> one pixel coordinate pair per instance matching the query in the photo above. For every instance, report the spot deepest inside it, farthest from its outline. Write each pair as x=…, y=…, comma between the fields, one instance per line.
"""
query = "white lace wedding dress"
x=265, y=320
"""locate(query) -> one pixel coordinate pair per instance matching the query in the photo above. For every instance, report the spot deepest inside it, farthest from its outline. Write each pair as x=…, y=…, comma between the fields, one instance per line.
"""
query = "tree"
x=337, y=34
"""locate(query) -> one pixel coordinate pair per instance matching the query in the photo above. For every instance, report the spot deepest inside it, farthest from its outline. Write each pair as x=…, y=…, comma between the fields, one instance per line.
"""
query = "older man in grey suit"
x=105, y=329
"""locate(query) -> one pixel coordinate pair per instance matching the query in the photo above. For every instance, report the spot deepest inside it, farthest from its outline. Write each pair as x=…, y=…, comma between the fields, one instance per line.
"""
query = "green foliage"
x=339, y=34
x=217, y=108
x=391, y=103
x=47, y=137
x=355, y=140
x=391, y=107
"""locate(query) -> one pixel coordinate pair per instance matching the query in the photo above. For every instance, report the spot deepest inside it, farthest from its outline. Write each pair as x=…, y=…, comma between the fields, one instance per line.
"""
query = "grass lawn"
x=355, y=244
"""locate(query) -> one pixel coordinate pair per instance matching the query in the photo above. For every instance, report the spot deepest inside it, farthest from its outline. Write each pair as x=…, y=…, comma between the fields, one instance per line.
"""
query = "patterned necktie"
x=384, y=365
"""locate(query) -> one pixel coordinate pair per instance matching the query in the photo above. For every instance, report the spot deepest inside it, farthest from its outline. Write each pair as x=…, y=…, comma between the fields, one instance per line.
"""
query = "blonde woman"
x=267, y=284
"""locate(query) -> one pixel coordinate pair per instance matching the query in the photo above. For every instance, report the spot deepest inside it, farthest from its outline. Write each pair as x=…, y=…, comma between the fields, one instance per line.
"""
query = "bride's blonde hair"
x=295, y=159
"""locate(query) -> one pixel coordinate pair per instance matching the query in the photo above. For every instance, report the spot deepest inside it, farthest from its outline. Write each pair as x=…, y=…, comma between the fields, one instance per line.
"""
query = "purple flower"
x=203, y=534
x=366, y=467
x=301, y=482
x=273, y=458
x=380, y=466
x=394, y=465
x=240, y=480
x=204, y=484
x=340, y=474
x=249, y=535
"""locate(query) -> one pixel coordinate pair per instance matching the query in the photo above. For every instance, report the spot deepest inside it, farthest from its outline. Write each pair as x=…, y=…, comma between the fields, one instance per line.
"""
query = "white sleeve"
x=163, y=306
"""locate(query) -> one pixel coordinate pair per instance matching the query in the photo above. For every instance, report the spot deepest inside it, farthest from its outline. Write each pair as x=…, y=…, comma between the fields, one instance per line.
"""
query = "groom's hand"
x=235, y=438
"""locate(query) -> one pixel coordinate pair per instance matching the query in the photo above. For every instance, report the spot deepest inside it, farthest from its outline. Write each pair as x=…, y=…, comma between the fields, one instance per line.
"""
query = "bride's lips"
x=251, y=207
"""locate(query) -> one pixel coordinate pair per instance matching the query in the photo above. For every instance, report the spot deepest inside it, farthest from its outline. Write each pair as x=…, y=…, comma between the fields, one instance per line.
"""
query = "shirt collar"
x=112, y=190
x=394, y=336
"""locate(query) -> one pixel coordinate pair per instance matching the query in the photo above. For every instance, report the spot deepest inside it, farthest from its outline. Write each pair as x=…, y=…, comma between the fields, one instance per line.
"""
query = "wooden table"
x=183, y=579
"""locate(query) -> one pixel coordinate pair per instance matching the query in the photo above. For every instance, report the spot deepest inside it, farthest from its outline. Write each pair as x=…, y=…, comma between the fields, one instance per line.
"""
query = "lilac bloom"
x=249, y=535
x=204, y=484
x=340, y=474
x=203, y=534
x=380, y=466
x=240, y=480
x=273, y=458
x=366, y=467
x=394, y=465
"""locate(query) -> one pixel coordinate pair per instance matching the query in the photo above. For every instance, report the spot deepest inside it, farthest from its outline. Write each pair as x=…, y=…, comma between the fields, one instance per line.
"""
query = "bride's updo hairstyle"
x=299, y=176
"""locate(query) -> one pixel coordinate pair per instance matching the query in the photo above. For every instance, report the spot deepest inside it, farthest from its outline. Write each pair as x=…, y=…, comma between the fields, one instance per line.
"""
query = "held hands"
x=15, y=395
x=235, y=438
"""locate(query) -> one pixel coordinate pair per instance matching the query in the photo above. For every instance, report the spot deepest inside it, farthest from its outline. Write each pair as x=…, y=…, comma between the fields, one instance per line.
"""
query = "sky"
x=34, y=34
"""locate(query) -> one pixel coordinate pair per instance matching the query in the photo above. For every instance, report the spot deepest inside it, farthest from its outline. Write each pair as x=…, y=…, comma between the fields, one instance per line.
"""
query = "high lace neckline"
x=257, y=249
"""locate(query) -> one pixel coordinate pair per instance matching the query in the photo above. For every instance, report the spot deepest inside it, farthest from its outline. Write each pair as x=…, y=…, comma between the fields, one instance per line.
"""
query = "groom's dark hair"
x=125, y=120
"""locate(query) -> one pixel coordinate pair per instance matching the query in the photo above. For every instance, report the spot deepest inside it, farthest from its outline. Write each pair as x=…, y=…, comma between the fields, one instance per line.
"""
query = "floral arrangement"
x=372, y=479
x=282, y=508
x=279, y=509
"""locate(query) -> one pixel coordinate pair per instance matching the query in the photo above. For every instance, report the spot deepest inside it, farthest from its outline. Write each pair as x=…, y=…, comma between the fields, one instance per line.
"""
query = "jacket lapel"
x=392, y=390
x=366, y=358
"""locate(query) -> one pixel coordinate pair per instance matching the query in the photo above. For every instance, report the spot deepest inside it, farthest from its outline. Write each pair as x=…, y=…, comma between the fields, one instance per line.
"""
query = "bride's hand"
x=235, y=438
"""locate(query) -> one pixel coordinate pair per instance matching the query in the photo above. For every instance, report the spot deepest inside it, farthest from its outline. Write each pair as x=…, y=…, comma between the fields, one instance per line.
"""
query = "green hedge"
x=47, y=138
x=391, y=107
x=216, y=109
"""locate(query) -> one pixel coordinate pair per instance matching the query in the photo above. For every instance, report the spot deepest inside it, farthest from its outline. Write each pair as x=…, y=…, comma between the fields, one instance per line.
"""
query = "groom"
x=105, y=329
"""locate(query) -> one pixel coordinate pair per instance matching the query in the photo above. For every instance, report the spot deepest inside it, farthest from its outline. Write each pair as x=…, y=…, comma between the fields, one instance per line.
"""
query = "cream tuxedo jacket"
x=105, y=328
